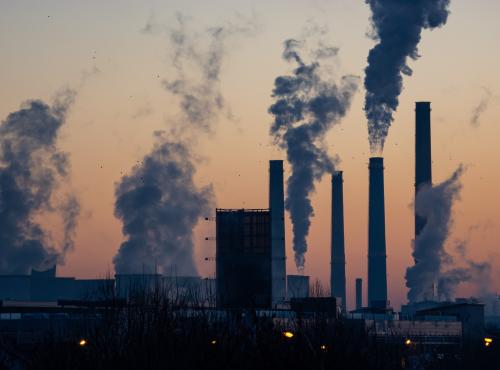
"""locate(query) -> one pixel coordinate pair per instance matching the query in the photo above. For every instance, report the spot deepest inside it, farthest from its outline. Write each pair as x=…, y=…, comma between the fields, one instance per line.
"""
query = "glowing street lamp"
x=408, y=342
x=288, y=334
x=82, y=343
x=488, y=342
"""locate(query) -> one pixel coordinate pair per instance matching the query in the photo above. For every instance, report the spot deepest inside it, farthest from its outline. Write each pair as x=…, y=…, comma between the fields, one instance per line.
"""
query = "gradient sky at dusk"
x=98, y=48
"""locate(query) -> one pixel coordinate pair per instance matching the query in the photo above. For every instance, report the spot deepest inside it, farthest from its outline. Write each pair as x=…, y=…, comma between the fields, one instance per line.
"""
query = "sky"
x=98, y=48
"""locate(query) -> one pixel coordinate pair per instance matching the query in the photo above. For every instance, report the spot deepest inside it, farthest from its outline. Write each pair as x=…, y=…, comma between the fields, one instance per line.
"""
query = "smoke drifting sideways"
x=32, y=169
x=434, y=266
x=159, y=202
x=306, y=106
x=478, y=110
x=397, y=28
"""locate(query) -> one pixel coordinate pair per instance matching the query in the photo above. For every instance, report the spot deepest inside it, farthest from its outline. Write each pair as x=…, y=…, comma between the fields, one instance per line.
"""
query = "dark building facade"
x=243, y=258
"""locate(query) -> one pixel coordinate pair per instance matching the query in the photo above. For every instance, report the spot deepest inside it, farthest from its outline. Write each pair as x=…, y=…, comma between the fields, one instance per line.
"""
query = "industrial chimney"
x=377, y=273
x=337, y=264
x=359, y=293
x=277, y=208
x=423, y=159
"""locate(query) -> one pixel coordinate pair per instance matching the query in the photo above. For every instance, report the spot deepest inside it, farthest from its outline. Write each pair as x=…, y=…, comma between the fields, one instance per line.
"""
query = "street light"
x=288, y=334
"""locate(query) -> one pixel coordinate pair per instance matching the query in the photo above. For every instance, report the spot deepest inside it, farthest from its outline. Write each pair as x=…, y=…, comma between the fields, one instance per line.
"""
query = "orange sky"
x=46, y=46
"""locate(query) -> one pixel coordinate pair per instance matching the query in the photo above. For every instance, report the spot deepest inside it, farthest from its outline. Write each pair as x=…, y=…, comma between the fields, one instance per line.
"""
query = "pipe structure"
x=277, y=209
x=337, y=264
x=423, y=158
x=359, y=293
x=377, y=270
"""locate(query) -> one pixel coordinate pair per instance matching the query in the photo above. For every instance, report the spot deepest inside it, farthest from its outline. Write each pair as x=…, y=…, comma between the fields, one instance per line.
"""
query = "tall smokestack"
x=277, y=208
x=359, y=293
x=423, y=159
x=337, y=272
x=377, y=274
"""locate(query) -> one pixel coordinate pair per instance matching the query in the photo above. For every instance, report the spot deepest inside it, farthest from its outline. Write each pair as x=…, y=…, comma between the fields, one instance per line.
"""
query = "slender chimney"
x=377, y=273
x=337, y=268
x=423, y=159
x=277, y=208
x=359, y=293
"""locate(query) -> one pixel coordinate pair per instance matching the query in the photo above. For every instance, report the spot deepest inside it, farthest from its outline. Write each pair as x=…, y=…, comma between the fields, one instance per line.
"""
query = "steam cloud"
x=434, y=204
x=434, y=266
x=307, y=106
x=159, y=203
x=397, y=27
x=480, y=108
x=32, y=168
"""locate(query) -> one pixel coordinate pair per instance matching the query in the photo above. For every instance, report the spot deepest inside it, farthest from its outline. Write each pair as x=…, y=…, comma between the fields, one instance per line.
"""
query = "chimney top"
x=337, y=175
x=376, y=162
x=425, y=105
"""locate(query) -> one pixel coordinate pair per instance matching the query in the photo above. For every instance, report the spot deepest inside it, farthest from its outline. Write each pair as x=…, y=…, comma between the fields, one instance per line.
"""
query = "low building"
x=297, y=286
x=45, y=286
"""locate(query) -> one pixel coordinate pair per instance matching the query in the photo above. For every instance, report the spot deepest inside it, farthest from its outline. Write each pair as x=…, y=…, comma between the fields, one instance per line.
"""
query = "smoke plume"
x=478, y=111
x=159, y=203
x=397, y=27
x=32, y=169
x=306, y=107
x=434, y=204
x=434, y=267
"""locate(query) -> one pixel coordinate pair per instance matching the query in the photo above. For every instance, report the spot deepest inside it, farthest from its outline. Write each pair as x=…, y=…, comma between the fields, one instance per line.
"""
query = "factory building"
x=45, y=286
x=297, y=286
x=243, y=258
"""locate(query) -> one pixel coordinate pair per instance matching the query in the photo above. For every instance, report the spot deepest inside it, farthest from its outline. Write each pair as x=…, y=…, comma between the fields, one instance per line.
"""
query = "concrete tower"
x=423, y=159
x=377, y=271
x=337, y=268
x=277, y=208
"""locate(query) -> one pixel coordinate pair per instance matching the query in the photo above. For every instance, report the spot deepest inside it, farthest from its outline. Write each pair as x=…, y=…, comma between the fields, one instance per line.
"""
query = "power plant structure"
x=423, y=158
x=277, y=209
x=377, y=270
x=251, y=269
x=297, y=286
x=337, y=269
x=423, y=167
x=243, y=258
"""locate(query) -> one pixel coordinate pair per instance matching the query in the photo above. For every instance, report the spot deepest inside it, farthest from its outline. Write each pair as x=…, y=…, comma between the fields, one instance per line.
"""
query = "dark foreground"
x=153, y=334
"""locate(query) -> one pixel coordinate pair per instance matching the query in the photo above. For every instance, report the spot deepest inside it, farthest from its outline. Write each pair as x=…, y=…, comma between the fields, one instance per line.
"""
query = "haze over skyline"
x=117, y=67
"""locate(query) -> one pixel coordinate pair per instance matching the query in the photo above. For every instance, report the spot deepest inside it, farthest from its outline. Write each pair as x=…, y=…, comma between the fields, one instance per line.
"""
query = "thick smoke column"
x=306, y=106
x=397, y=27
x=159, y=203
x=32, y=168
x=434, y=204
x=434, y=267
